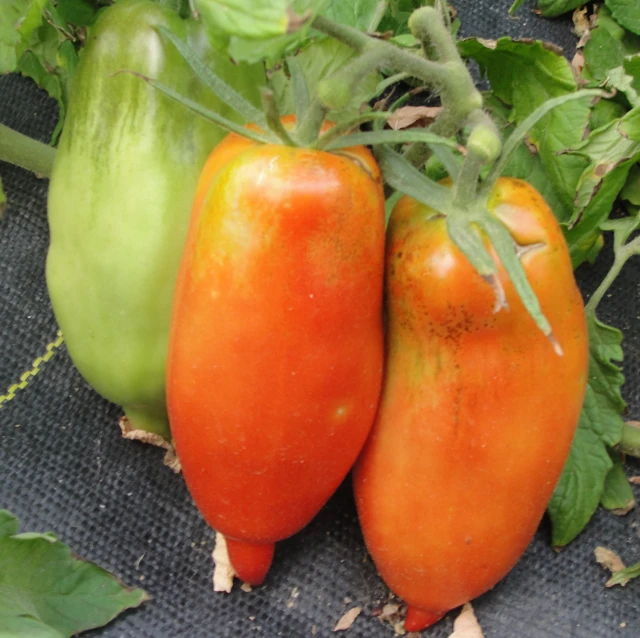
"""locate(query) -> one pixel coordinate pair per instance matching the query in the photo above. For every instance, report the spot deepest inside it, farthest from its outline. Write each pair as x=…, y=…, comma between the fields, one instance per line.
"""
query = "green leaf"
x=47, y=592
x=609, y=153
x=273, y=44
x=631, y=190
x=361, y=14
x=623, y=576
x=617, y=495
x=252, y=19
x=581, y=485
x=11, y=13
x=553, y=8
x=397, y=15
x=626, y=13
x=17, y=625
x=609, y=55
x=602, y=52
x=9, y=524
x=605, y=150
x=524, y=75
x=79, y=13
x=604, y=112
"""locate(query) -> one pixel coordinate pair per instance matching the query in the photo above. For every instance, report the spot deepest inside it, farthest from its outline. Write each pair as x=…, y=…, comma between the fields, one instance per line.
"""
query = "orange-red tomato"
x=477, y=411
x=275, y=358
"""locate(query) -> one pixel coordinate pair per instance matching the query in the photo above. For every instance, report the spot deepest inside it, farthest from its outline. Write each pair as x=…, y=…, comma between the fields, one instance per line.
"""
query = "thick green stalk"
x=26, y=152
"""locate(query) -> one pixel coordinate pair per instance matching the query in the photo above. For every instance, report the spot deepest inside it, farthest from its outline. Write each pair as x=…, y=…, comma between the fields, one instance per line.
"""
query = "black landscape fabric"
x=64, y=466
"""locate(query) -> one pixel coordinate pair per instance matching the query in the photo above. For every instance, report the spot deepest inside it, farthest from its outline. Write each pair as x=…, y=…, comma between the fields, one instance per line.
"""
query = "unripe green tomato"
x=120, y=199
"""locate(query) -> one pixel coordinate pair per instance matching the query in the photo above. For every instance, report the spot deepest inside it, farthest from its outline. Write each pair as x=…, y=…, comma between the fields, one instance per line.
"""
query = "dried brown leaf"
x=347, y=619
x=577, y=65
x=389, y=610
x=466, y=625
x=533, y=149
x=128, y=432
x=581, y=23
x=223, y=571
x=635, y=480
x=409, y=116
x=609, y=559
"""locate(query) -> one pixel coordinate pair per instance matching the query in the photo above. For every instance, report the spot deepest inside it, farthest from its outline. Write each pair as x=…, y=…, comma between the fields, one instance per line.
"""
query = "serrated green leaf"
x=609, y=154
x=626, y=13
x=47, y=591
x=617, y=494
x=586, y=234
x=524, y=75
x=553, y=8
x=581, y=485
x=605, y=150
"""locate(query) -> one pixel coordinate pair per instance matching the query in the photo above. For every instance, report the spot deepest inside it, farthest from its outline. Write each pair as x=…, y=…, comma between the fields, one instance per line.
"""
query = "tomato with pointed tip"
x=477, y=411
x=275, y=357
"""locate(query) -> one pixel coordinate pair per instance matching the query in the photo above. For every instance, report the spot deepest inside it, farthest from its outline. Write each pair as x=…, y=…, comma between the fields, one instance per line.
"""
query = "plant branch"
x=622, y=255
x=26, y=152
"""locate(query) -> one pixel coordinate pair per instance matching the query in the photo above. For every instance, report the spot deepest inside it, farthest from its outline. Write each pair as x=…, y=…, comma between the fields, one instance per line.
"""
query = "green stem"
x=465, y=188
x=308, y=129
x=344, y=127
x=427, y=25
x=390, y=81
x=26, y=152
x=630, y=441
x=395, y=58
x=621, y=257
x=273, y=118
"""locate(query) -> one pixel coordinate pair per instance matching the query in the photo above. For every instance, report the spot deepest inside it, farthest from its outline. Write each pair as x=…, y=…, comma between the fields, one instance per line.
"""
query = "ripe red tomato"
x=275, y=357
x=477, y=411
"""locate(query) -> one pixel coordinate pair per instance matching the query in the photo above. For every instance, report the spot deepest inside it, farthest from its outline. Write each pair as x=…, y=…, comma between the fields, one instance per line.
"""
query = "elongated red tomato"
x=275, y=359
x=477, y=411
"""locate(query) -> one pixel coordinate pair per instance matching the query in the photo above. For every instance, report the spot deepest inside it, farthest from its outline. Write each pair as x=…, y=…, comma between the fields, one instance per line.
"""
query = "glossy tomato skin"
x=477, y=411
x=276, y=351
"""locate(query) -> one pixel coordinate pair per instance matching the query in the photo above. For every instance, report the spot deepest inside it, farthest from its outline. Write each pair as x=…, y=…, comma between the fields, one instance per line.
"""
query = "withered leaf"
x=408, y=116
x=347, y=619
x=609, y=559
x=223, y=571
x=466, y=625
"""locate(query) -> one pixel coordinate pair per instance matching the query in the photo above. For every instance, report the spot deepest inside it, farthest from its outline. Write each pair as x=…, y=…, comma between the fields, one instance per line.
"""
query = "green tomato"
x=120, y=198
